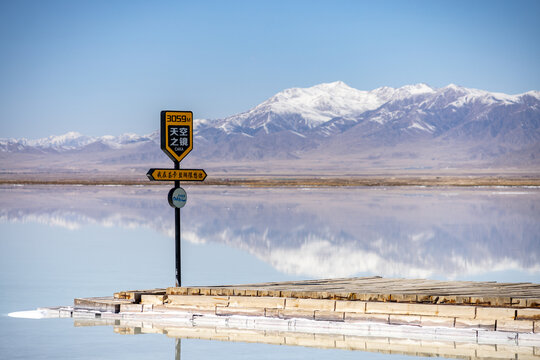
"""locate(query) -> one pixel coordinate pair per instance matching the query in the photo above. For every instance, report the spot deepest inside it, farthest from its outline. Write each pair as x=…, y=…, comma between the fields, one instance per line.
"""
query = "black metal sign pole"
x=176, y=141
x=177, y=234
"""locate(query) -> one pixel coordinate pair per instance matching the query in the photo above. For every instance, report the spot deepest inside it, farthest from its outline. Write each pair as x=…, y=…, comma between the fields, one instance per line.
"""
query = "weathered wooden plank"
x=357, y=317
x=102, y=304
x=294, y=313
x=197, y=301
x=257, y=302
x=310, y=304
x=329, y=315
x=515, y=325
x=351, y=306
x=246, y=311
x=485, y=313
x=131, y=308
x=528, y=314
x=135, y=295
x=153, y=299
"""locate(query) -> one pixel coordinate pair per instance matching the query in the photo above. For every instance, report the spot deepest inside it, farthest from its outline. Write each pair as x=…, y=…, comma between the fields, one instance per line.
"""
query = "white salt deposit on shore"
x=29, y=314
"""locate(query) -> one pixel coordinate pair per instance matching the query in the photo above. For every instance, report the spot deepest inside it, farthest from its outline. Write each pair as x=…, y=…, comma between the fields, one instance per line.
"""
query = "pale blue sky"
x=110, y=67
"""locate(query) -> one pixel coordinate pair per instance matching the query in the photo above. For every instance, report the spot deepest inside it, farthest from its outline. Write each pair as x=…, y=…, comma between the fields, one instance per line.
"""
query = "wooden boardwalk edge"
x=491, y=306
x=377, y=289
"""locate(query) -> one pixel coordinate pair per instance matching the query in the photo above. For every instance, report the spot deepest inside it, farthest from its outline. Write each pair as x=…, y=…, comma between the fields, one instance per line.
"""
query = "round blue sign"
x=177, y=197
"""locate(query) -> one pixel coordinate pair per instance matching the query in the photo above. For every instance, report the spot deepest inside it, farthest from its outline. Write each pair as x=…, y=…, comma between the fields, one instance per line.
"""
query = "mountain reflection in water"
x=329, y=232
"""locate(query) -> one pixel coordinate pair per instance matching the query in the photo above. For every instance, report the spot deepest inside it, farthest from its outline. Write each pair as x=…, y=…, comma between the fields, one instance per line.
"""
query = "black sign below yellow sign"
x=176, y=175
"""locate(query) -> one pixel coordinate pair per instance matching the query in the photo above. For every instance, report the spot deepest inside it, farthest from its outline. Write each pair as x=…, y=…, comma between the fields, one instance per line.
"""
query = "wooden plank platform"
x=480, y=306
x=385, y=290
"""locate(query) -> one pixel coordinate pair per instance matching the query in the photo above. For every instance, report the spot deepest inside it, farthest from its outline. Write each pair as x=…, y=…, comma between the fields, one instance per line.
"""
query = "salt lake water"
x=62, y=242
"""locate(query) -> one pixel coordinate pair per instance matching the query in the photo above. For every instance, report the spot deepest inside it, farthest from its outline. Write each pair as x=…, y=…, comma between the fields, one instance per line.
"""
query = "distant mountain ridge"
x=414, y=125
x=72, y=141
x=317, y=106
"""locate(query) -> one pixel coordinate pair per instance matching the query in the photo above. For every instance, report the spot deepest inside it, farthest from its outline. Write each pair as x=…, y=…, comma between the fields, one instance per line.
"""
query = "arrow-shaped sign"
x=177, y=175
x=176, y=133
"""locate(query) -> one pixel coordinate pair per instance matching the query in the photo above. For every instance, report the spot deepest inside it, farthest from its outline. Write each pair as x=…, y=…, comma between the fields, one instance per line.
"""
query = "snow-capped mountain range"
x=411, y=126
x=301, y=110
x=72, y=141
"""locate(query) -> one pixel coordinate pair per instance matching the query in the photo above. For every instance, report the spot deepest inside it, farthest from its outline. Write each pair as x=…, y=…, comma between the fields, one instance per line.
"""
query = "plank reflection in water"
x=417, y=344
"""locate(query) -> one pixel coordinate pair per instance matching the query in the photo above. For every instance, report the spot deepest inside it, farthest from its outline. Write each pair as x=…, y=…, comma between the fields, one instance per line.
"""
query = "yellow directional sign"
x=178, y=175
x=176, y=133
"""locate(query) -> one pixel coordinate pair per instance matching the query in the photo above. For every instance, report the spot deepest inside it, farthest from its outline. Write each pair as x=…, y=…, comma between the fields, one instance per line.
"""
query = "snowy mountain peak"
x=68, y=140
x=463, y=95
x=333, y=88
x=407, y=91
x=419, y=88
x=533, y=93
x=312, y=107
x=453, y=86
x=333, y=85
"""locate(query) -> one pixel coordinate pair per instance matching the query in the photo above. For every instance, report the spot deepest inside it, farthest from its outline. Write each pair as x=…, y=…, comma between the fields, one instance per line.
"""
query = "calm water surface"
x=58, y=243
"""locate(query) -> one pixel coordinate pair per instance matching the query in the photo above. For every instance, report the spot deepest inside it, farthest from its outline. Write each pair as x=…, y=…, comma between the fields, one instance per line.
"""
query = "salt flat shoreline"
x=292, y=181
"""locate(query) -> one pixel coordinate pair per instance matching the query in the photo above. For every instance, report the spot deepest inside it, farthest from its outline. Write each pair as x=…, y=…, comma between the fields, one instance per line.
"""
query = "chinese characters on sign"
x=179, y=138
x=176, y=133
x=179, y=175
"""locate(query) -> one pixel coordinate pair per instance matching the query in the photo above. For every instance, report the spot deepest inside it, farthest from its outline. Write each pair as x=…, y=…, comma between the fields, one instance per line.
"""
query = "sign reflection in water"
x=450, y=233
